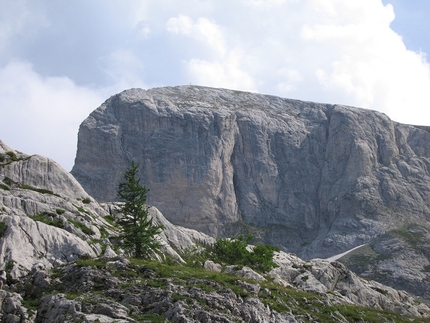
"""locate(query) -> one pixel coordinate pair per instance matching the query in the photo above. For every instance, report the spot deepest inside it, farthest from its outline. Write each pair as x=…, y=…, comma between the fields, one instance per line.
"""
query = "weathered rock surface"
x=50, y=220
x=399, y=258
x=314, y=179
x=45, y=225
x=322, y=277
x=139, y=291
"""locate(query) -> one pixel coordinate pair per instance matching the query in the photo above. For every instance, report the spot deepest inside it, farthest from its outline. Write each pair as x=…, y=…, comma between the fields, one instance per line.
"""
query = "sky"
x=61, y=59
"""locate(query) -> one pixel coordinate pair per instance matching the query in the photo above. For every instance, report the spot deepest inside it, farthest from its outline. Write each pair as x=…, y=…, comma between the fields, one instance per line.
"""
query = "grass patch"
x=86, y=200
x=81, y=209
x=4, y=187
x=82, y=227
x=3, y=228
x=12, y=155
x=412, y=238
x=48, y=218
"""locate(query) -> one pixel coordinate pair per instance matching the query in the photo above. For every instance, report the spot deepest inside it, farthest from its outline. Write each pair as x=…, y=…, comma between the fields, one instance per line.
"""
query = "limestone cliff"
x=315, y=179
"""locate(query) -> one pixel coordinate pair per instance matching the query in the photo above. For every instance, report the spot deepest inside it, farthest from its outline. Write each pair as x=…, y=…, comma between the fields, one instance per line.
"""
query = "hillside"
x=314, y=179
x=64, y=264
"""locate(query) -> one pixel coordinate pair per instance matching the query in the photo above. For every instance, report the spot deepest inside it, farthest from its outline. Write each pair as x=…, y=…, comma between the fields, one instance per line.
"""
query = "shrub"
x=235, y=252
x=3, y=228
x=12, y=155
x=86, y=200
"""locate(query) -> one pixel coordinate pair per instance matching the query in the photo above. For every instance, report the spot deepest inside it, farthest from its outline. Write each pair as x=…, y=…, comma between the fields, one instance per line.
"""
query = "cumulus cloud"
x=224, y=70
x=42, y=114
x=370, y=66
x=60, y=61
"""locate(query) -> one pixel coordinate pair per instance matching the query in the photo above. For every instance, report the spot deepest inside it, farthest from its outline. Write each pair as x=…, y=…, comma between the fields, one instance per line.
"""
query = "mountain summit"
x=314, y=179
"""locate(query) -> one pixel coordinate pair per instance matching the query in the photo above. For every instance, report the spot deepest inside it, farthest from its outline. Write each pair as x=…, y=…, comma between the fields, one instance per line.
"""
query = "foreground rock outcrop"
x=314, y=179
x=49, y=220
x=61, y=262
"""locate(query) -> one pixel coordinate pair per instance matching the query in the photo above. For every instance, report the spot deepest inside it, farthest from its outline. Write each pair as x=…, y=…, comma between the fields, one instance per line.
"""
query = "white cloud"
x=42, y=114
x=123, y=68
x=333, y=51
x=17, y=18
x=224, y=73
x=224, y=69
x=370, y=67
x=204, y=31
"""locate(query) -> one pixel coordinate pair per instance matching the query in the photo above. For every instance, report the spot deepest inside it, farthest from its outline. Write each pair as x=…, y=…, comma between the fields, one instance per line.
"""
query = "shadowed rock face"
x=315, y=179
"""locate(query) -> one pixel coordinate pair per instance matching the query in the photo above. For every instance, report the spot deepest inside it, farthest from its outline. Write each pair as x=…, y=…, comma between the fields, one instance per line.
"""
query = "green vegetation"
x=86, y=200
x=138, y=231
x=3, y=228
x=82, y=227
x=60, y=211
x=12, y=155
x=408, y=235
x=4, y=187
x=9, y=157
x=81, y=209
x=309, y=307
x=48, y=218
x=40, y=190
x=10, y=182
x=235, y=252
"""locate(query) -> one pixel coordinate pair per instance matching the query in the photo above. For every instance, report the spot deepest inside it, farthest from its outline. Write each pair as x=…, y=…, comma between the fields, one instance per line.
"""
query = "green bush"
x=4, y=187
x=12, y=155
x=235, y=252
x=86, y=200
x=3, y=228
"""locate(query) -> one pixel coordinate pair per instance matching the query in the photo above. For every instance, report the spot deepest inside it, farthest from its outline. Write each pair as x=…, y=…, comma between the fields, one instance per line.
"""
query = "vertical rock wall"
x=312, y=178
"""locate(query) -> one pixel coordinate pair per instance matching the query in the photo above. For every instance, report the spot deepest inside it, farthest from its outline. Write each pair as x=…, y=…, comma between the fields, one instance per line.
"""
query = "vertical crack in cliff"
x=30, y=238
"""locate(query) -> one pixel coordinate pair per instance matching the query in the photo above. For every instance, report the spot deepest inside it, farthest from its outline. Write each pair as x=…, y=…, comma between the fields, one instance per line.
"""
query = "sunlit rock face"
x=315, y=179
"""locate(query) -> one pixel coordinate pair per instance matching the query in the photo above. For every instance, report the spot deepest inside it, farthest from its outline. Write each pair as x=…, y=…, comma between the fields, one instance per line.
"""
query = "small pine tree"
x=138, y=230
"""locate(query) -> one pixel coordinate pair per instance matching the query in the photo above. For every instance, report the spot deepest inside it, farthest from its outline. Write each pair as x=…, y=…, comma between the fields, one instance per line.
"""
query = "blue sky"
x=59, y=60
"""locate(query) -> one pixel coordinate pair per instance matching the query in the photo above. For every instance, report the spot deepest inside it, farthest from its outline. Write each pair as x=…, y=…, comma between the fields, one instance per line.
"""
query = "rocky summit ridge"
x=63, y=264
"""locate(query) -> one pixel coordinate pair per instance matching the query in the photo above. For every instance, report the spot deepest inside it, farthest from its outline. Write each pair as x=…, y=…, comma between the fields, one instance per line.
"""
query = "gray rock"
x=52, y=221
x=325, y=278
x=244, y=272
x=212, y=266
x=314, y=179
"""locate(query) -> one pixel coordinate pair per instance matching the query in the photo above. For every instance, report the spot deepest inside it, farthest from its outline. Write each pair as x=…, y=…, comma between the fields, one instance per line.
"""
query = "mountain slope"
x=314, y=179
x=56, y=247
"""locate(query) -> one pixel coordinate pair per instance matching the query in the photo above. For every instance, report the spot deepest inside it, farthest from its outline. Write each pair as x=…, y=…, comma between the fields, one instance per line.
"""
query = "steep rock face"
x=315, y=179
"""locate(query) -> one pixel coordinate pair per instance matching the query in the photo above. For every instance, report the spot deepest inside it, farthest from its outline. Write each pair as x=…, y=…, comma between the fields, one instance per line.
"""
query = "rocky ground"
x=121, y=290
x=399, y=258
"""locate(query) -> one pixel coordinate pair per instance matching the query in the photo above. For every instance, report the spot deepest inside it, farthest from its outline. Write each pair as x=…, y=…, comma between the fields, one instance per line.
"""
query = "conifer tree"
x=138, y=229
